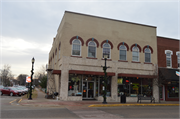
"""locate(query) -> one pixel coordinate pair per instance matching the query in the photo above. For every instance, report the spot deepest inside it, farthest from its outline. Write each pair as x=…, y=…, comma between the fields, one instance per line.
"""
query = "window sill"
x=135, y=62
x=147, y=63
x=107, y=59
x=76, y=56
x=90, y=58
x=122, y=61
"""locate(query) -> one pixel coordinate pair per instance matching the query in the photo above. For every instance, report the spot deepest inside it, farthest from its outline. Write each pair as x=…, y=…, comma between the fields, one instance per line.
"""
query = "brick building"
x=77, y=54
x=168, y=63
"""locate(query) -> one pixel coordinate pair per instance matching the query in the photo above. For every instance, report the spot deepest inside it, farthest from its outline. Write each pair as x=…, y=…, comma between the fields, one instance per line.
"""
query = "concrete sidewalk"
x=41, y=101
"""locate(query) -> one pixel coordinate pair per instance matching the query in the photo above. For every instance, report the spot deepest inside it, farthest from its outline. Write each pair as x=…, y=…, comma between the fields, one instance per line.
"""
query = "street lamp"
x=30, y=92
x=105, y=79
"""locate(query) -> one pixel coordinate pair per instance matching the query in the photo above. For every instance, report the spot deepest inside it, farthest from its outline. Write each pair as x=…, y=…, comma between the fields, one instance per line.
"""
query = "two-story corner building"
x=77, y=52
x=168, y=63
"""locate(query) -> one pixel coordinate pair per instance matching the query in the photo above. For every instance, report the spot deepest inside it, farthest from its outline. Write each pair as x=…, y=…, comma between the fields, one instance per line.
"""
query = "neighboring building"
x=76, y=57
x=169, y=63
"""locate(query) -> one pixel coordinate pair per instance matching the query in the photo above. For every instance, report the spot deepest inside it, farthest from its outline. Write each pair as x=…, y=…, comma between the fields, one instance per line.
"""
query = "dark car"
x=10, y=91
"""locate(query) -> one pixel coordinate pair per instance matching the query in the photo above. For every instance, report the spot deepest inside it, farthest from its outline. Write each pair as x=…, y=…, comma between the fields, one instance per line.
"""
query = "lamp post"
x=30, y=92
x=105, y=79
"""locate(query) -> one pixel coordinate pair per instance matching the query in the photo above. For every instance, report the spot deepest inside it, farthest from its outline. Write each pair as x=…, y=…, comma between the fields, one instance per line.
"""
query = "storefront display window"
x=108, y=86
x=75, y=85
x=173, y=91
x=134, y=86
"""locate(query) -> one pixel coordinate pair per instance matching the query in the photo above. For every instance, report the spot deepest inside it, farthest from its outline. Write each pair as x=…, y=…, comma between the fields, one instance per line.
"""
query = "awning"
x=136, y=75
x=56, y=72
x=90, y=72
x=168, y=74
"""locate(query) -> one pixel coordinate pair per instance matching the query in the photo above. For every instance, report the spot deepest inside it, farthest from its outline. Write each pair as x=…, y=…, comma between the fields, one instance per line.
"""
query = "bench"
x=145, y=98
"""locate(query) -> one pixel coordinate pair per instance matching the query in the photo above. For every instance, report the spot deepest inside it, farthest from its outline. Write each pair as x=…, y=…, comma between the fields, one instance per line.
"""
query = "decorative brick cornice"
x=90, y=39
x=122, y=44
x=82, y=42
x=147, y=46
x=108, y=42
x=137, y=46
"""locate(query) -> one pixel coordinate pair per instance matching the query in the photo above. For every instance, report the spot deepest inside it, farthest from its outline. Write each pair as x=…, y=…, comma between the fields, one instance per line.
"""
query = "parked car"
x=23, y=92
x=10, y=91
x=23, y=88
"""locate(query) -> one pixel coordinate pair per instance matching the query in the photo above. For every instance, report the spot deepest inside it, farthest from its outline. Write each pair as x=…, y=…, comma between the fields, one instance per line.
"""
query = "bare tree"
x=41, y=75
x=6, y=75
x=22, y=79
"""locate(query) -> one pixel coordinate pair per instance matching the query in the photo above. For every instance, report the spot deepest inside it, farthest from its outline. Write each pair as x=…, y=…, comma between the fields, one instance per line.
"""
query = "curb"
x=115, y=105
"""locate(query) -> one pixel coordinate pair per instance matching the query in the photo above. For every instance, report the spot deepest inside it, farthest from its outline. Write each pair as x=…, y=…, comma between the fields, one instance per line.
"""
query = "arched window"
x=92, y=49
x=106, y=50
x=135, y=54
x=76, y=47
x=122, y=52
x=147, y=52
x=178, y=58
x=168, y=58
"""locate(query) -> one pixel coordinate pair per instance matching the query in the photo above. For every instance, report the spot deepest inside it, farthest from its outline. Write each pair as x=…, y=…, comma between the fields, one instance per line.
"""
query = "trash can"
x=123, y=98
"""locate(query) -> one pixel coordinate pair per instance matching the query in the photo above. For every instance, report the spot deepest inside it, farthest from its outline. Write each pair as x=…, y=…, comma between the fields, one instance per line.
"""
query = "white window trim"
x=178, y=52
x=145, y=56
x=72, y=48
x=171, y=53
x=138, y=55
x=95, y=51
x=110, y=52
x=119, y=53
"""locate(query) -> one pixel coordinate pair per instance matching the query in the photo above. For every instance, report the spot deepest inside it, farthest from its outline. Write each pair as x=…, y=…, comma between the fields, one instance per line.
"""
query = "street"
x=14, y=110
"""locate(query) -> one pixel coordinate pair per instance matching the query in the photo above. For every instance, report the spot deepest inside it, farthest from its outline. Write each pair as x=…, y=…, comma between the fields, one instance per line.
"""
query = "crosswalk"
x=94, y=114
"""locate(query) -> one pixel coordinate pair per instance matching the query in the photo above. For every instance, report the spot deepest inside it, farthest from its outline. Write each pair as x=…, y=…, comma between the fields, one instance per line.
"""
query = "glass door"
x=90, y=89
x=84, y=89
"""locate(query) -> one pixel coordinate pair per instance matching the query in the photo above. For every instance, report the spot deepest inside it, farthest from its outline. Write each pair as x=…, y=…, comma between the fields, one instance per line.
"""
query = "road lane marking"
x=19, y=100
x=13, y=101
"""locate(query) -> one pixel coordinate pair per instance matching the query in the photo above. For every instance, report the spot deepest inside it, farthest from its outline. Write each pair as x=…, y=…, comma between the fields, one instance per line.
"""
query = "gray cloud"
x=35, y=23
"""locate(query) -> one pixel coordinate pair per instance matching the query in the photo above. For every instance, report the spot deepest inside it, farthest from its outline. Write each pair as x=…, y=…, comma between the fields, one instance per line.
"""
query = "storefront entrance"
x=88, y=90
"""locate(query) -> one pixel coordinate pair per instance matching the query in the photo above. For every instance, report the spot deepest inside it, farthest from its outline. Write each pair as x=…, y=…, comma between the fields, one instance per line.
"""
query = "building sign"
x=177, y=73
x=120, y=80
x=28, y=79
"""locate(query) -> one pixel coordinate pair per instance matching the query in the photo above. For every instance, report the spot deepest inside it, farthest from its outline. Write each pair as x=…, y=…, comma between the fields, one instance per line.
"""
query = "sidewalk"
x=41, y=101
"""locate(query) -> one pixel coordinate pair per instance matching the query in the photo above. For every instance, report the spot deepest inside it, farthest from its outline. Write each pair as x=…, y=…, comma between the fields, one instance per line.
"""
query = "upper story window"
x=76, y=47
x=122, y=52
x=178, y=58
x=135, y=54
x=106, y=49
x=92, y=49
x=168, y=58
x=147, y=52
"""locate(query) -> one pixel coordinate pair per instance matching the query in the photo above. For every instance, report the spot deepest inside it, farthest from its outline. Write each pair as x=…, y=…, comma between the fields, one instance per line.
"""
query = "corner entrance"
x=88, y=90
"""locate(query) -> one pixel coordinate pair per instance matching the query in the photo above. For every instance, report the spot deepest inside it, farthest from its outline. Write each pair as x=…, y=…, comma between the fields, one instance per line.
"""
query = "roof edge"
x=110, y=19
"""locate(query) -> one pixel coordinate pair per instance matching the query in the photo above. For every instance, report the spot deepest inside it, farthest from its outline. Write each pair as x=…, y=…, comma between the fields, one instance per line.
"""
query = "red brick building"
x=168, y=65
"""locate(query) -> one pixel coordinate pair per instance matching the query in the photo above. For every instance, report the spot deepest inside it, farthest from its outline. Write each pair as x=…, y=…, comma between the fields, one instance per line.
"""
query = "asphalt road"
x=14, y=110
x=144, y=111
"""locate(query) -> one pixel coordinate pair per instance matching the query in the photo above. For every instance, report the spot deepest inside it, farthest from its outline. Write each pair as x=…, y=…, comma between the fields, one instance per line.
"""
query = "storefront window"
x=173, y=91
x=75, y=85
x=134, y=86
x=108, y=86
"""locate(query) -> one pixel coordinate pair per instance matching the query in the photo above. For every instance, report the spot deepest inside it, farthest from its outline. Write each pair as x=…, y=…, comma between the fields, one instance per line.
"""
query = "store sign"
x=177, y=73
x=28, y=79
x=120, y=80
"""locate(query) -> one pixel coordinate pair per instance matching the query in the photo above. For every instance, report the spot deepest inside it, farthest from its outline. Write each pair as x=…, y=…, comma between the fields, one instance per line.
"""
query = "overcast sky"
x=27, y=27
